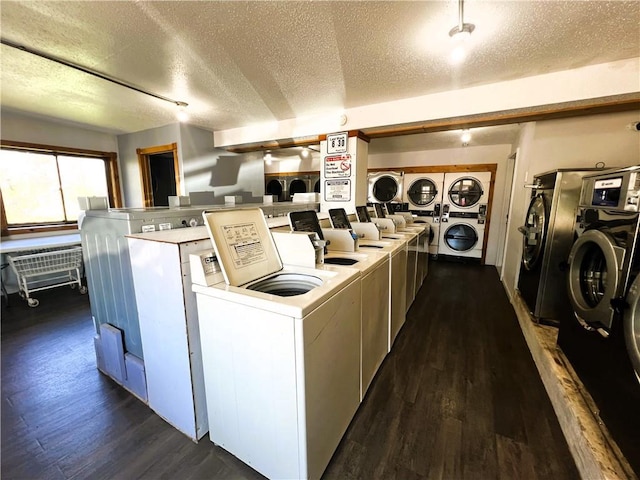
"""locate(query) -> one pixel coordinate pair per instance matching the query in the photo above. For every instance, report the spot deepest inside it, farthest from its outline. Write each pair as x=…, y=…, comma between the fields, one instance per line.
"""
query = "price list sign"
x=337, y=142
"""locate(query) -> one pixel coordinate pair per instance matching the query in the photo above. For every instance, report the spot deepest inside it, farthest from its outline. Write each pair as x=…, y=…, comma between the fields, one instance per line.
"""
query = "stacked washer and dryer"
x=423, y=194
x=464, y=212
x=455, y=205
x=601, y=338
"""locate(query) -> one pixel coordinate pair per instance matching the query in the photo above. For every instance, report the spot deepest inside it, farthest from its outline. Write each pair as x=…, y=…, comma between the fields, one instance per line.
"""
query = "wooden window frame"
x=112, y=177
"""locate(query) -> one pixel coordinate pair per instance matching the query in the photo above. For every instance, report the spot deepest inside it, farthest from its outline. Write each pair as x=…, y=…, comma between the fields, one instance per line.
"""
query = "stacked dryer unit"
x=423, y=194
x=464, y=210
x=602, y=337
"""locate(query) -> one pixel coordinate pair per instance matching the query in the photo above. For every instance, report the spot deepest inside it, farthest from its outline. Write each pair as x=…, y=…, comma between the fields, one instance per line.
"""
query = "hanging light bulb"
x=466, y=135
x=182, y=114
x=268, y=158
x=305, y=153
x=460, y=36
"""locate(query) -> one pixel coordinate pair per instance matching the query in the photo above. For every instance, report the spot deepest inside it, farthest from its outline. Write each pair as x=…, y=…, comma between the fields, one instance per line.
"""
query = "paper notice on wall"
x=337, y=190
x=337, y=166
x=244, y=243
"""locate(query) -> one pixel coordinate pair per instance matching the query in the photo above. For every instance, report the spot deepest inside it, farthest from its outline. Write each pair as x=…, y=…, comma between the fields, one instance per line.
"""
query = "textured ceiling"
x=241, y=63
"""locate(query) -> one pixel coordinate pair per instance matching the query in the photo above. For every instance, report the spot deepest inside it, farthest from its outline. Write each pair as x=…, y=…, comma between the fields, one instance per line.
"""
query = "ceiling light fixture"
x=465, y=138
x=89, y=71
x=460, y=34
x=268, y=158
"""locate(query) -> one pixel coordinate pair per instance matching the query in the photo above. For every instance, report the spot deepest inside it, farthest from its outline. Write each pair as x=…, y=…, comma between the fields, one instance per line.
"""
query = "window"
x=40, y=185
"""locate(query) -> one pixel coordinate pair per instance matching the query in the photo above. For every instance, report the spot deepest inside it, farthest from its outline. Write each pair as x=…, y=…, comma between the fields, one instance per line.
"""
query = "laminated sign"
x=337, y=166
x=337, y=190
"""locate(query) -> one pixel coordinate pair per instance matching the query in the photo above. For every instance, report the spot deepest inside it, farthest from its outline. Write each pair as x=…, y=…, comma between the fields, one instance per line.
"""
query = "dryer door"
x=594, y=277
x=385, y=189
x=535, y=232
x=465, y=192
x=632, y=325
x=461, y=237
x=422, y=192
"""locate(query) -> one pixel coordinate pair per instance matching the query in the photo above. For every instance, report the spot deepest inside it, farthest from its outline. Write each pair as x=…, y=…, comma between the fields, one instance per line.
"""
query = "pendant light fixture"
x=460, y=35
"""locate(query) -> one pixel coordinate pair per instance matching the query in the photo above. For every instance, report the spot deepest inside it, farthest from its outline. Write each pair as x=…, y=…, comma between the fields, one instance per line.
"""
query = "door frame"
x=144, y=159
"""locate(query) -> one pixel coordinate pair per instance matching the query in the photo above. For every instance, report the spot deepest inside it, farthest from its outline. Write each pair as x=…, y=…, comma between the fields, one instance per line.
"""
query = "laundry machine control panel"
x=619, y=190
x=482, y=214
x=445, y=213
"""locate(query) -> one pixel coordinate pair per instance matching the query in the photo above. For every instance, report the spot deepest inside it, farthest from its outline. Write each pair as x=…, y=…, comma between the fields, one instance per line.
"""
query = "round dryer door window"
x=594, y=263
x=385, y=189
x=461, y=237
x=465, y=192
x=316, y=187
x=297, y=186
x=422, y=192
x=274, y=187
x=534, y=231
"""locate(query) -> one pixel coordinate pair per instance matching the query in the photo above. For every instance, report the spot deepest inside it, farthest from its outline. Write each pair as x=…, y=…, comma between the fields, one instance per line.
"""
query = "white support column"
x=343, y=170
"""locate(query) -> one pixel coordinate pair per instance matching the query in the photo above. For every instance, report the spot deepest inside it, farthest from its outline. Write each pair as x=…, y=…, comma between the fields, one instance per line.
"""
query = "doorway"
x=159, y=174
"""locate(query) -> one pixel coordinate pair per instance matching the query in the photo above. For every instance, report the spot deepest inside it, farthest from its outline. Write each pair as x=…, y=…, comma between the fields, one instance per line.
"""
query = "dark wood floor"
x=459, y=397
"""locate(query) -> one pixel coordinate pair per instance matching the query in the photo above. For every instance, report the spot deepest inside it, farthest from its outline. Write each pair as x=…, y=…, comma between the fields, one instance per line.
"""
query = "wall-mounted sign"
x=337, y=166
x=337, y=190
x=337, y=142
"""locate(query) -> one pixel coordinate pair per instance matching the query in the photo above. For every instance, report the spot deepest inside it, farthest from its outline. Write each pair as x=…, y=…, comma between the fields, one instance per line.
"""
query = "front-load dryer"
x=600, y=339
x=423, y=192
x=281, y=351
x=461, y=236
x=466, y=192
x=277, y=187
x=384, y=187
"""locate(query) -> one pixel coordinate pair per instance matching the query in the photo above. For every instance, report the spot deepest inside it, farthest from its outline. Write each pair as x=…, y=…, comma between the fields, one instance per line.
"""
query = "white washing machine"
x=375, y=277
x=384, y=187
x=280, y=350
x=397, y=252
x=466, y=191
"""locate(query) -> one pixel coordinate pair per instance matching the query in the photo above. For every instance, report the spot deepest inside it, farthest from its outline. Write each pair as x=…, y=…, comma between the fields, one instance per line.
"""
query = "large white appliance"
x=461, y=237
x=391, y=228
x=398, y=251
x=466, y=191
x=169, y=330
x=281, y=351
x=424, y=193
x=384, y=187
x=375, y=277
x=601, y=339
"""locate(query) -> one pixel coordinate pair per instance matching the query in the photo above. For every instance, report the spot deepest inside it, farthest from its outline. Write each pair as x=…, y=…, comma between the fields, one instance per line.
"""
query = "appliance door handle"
x=524, y=231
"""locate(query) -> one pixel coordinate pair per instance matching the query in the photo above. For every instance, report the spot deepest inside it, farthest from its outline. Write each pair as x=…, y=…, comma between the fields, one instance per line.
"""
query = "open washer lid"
x=244, y=246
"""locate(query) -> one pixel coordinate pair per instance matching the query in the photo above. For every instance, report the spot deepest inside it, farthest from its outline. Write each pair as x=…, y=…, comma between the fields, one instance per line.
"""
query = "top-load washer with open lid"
x=280, y=350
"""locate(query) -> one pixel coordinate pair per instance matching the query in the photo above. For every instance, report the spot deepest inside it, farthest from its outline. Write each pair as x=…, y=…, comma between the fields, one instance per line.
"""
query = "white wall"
x=292, y=162
x=497, y=154
x=569, y=143
x=129, y=169
x=21, y=128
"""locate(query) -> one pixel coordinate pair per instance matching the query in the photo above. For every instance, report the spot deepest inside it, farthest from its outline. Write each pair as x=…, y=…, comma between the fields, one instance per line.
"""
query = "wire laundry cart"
x=46, y=268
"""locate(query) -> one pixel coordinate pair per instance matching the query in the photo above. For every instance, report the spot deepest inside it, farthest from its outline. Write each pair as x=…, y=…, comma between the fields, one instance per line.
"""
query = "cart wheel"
x=83, y=289
x=73, y=286
x=33, y=302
